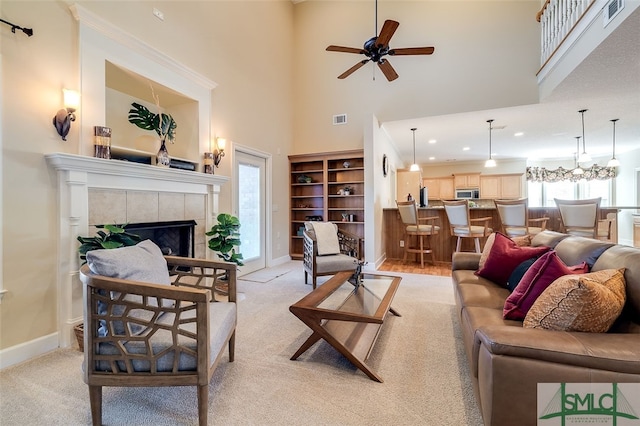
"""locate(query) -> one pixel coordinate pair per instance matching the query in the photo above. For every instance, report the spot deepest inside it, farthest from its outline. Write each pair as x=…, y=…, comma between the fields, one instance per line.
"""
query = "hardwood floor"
x=392, y=265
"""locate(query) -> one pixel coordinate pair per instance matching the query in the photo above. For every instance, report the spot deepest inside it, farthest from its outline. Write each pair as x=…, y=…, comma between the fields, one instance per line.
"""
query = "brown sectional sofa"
x=507, y=361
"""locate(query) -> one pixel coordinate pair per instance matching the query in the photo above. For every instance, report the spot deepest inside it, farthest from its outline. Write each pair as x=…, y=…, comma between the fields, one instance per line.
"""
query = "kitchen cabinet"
x=439, y=188
x=467, y=181
x=636, y=230
x=501, y=186
x=317, y=191
x=408, y=183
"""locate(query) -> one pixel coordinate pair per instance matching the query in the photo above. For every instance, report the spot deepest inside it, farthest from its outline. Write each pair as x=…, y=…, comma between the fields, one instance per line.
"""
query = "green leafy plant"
x=163, y=124
x=225, y=237
x=115, y=236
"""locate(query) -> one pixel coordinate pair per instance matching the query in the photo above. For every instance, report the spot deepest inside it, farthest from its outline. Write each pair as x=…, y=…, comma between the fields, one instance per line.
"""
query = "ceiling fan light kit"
x=377, y=47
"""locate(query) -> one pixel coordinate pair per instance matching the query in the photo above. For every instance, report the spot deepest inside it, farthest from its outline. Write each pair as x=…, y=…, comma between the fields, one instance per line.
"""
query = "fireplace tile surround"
x=93, y=191
x=121, y=206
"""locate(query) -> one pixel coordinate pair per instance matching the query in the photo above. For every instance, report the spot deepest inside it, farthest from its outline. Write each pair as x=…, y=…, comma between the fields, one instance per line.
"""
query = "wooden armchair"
x=317, y=265
x=145, y=334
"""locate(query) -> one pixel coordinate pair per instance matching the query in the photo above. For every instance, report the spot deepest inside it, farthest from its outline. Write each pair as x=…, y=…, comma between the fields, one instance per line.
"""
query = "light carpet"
x=419, y=356
x=267, y=274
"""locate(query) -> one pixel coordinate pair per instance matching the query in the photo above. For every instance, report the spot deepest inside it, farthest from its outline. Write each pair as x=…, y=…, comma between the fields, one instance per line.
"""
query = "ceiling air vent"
x=611, y=10
x=339, y=119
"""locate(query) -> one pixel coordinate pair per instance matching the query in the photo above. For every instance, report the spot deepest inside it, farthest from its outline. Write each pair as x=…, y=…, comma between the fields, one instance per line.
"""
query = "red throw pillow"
x=504, y=257
x=538, y=277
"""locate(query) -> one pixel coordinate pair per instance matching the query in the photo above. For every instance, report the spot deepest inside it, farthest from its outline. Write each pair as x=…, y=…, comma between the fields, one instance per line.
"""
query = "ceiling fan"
x=377, y=47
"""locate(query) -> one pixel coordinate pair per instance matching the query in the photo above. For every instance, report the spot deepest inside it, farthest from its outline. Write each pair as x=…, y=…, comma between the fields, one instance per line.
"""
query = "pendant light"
x=583, y=157
x=490, y=162
x=578, y=170
x=414, y=167
x=614, y=161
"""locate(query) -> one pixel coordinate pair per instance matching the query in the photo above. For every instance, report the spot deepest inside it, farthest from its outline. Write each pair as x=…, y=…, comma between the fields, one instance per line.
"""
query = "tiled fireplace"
x=94, y=191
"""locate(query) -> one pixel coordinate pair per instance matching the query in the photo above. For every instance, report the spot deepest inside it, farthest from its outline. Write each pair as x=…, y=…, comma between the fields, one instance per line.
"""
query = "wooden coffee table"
x=346, y=316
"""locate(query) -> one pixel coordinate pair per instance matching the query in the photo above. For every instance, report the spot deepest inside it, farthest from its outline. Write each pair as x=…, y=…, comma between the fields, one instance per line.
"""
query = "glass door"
x=250, y=169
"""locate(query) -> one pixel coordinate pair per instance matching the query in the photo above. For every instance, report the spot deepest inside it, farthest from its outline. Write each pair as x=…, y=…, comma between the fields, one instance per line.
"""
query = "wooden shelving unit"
x=318, y=183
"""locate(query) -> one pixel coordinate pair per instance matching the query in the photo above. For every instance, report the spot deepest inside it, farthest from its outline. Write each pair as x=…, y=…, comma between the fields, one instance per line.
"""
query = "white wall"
x=379, y=191
x=252, y=105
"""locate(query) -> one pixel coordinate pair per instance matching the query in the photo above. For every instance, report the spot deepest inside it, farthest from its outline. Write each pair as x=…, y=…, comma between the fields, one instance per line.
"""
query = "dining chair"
x=408, y=211
x=580, y=217
x=461, y=225
x=514, y=218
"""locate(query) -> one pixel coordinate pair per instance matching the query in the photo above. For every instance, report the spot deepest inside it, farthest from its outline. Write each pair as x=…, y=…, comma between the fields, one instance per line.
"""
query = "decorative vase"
x=163, y=159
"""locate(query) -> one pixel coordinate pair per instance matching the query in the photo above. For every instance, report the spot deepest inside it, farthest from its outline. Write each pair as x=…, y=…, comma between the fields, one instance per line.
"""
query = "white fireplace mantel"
x=76, y=174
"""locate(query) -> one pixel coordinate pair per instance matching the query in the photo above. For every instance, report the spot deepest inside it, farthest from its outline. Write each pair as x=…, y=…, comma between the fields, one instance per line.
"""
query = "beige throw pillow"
x=588, y=302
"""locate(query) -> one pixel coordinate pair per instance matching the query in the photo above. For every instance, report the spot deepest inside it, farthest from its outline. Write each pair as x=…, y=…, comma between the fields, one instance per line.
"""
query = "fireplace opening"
x=175, y=238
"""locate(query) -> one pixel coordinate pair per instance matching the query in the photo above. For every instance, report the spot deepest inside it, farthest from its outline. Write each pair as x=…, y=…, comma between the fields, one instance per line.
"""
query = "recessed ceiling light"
x=466, y=148
x=432, y=141
x=432, y=158
x=518, y=134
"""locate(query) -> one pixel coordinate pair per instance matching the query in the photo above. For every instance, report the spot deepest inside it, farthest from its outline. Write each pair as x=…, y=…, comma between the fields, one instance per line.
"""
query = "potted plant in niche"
x=225, y=237
x=115, y=237
x=163, y=124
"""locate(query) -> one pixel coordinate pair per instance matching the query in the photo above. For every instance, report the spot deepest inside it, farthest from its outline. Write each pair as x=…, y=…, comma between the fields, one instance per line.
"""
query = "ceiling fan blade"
x=387, y=70
x=333, y=48
x=354, y=68
x=386, y=33
x=412, y=51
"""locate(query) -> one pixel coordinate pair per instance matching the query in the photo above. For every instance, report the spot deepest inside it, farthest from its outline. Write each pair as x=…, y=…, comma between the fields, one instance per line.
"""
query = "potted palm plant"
x=163, y=124
x=115, y=236
x=225, y=237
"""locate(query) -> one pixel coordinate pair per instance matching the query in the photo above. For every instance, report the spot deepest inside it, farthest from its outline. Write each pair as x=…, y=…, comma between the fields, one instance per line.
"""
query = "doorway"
x=251, y=201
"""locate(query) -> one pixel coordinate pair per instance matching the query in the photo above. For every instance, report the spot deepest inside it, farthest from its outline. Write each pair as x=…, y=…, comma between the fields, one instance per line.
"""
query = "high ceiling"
x=606, y=84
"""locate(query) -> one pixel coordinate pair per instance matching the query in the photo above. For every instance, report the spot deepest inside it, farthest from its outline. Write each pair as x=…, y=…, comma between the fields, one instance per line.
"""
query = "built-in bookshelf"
x=326, y=187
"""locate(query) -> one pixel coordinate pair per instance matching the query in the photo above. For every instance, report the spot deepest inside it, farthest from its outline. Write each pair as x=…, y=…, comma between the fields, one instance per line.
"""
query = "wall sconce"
x=64, y=117
x=212, y=159
x=218, y=151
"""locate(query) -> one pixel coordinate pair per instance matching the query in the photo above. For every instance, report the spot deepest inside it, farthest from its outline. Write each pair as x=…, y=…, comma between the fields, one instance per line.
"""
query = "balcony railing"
x=558, y=18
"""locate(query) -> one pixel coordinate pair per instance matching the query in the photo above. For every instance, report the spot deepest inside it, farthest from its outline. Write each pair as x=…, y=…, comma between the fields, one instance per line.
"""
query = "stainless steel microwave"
x=467, y=193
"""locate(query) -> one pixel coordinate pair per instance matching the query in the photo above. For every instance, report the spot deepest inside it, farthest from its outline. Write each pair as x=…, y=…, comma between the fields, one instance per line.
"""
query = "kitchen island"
x=444, y=244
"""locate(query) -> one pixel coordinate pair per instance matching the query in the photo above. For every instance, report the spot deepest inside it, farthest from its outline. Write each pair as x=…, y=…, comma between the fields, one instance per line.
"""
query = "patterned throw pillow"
x=588, y=303
x=504, y=257
x=545, y=270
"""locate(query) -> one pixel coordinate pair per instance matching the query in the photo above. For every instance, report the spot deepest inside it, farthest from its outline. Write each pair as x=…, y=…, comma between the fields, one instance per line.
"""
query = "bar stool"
x=514, y=217
x=460, y=224
x=412, y=228
x=580, y=217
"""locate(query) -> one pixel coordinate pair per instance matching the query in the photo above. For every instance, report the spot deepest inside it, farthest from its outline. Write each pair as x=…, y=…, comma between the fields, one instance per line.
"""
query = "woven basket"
x=79, y=330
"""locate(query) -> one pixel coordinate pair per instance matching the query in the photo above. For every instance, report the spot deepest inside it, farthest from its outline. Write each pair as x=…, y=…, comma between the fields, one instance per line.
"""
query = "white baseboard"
x=280, y=260
x=28, y=350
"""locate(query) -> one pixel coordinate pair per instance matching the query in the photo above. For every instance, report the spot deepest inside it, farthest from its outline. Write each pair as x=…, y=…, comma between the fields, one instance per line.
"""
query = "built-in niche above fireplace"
x=117, y=69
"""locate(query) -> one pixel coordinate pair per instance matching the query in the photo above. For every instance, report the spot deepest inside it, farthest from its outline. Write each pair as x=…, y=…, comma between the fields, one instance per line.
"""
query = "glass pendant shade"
x=614, y=161
x=414, y=167
x=577, y=170
x=583, y=157
x=490, y=162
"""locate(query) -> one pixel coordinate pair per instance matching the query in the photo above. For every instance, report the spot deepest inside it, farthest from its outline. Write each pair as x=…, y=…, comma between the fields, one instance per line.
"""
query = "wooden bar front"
x=444, y=244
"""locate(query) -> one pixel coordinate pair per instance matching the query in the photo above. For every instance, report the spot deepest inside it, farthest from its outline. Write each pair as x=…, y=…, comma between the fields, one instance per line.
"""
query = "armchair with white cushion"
x=153, y=320
x=328, y=250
